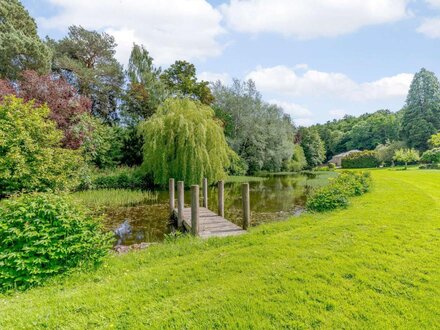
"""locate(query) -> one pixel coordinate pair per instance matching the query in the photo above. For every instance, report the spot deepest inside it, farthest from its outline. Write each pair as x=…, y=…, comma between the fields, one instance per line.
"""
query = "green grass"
x=375, y=265
x=113, y=197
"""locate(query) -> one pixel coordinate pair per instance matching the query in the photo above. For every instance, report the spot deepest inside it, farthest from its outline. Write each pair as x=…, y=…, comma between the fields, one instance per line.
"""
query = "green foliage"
x=337, y=193
x=385, y=152
x=406, y=156
x=258, y=132
x=117, y=178
x=42, y=235
x=421, y=115
x=331, y=166
x=102, y=144
x=145, y=91
x=237, y=166
x=30, y=156
x=313, y=147
x=20, y=47
x=87, y=60
x=184, y=141
x=181, y=80
x=431, y=156
x=364, y=132
x=362, y=159
x=434, y=140
x=113, y=197
x=298, y=161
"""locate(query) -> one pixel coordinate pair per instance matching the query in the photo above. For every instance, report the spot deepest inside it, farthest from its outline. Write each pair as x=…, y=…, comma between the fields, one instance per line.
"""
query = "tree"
x=406, y=156
x=258, y=132
x=431, y=156
x=434, y=140
x=421, y=115
x=86, y=59
x=313, y=146
x=181, y=79
x=183, y=140
x=20, y=47
x=385, y=152
x=298, y=161
x=30, y=156
x=145, y=91
x=65, y=103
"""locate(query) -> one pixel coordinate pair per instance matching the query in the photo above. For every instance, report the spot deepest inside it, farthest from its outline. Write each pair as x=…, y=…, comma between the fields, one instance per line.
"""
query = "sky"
x=318, y=59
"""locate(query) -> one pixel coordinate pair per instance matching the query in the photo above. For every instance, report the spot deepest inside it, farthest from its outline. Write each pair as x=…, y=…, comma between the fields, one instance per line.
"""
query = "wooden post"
x=171, y=189
x=246, y=205
x=221, y=199
x=195, y=210
x=205, y=192
x=180, y=202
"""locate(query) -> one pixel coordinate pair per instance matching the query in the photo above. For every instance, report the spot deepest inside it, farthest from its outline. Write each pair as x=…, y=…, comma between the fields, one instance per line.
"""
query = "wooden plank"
x=210, y=224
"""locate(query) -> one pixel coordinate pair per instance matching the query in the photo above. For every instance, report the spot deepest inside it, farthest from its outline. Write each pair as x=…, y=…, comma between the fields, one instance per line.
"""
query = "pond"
x=273, y=198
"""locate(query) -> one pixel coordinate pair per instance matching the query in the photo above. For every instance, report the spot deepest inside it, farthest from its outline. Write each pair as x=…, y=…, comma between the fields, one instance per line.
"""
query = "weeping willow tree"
x=183, y=140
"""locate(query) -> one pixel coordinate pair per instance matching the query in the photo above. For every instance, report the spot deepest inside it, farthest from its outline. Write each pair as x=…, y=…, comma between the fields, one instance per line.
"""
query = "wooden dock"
x=210, y=224
x=200, y=221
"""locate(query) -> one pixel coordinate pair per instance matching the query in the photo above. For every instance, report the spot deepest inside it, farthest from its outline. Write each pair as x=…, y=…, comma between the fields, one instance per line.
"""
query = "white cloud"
x=300, y=115
x=430, y=27
x=170, y=30
x=337, y=113
x=433, y=3
x=310, y=19
x=213, y=77
x=283, y=80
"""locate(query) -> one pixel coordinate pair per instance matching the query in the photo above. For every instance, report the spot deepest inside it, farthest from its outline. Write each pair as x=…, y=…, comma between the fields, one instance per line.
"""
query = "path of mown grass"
x=373, y=265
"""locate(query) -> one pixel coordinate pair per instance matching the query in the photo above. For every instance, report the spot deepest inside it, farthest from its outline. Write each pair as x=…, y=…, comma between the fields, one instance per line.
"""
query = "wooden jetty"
x=201, y=221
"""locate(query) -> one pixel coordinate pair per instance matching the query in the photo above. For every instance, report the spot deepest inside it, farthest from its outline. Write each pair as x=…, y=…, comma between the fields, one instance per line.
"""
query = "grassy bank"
x=373, y=265
x=113, y=197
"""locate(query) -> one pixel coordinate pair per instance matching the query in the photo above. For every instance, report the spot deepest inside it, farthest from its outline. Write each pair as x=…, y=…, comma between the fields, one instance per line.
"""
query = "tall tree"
x=87, y=60
x=20, y=46
x=145, y=90
x=421, y=115
x=258, y=132
x=180, y=78
x=313, y=146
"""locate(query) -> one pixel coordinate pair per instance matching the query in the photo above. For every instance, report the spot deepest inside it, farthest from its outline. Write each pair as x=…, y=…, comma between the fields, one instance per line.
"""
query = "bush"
x=42, y=235
x=30, y=156
x=298, y=161
x=331, y=166
x=362, y=159
x=429, y=167
x=117, y=178
x=336, y=194
x=431, y=156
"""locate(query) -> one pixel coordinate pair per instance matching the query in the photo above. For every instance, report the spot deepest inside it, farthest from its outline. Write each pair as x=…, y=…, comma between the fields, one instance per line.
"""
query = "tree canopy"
x=421, y=115
x=181, y=79
x=86, y=59
x=20, y=47
x=183, y=140
x=313, y=146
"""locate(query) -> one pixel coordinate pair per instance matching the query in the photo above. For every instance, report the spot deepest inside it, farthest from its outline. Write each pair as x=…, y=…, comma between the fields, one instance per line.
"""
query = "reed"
x=114, y=197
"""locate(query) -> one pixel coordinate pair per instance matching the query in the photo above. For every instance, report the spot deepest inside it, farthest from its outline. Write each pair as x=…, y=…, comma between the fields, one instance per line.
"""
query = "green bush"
x=42, y=235
x=431, y=156
x=117, y=178
x=336, y=194
x=362, y=159
x=30, y=156
x=331, y=166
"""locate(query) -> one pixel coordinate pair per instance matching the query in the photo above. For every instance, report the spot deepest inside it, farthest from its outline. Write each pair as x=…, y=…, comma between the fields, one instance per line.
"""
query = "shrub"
x=42, y=235
x=331, y=166
x=30, y=156
x=298, y=161
x=336, y=194
x=362, y=159
x=117, y=178
x=431, y=156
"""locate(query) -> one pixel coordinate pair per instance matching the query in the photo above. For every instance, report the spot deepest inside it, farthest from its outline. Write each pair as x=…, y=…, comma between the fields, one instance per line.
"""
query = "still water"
x=274, y=198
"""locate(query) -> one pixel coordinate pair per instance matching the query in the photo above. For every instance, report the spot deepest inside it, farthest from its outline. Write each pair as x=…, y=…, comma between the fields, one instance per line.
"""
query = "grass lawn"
x=373, y=265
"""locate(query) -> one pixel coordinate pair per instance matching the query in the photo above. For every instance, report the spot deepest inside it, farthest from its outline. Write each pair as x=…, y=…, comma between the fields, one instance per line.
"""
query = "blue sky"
x=318, y=59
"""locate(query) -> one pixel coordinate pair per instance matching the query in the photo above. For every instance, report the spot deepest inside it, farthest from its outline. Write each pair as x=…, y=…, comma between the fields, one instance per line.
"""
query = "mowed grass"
x=375, y=265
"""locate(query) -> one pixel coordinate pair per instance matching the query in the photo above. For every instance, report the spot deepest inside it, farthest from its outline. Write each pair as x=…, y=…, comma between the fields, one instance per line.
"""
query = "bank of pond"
x=143, y=216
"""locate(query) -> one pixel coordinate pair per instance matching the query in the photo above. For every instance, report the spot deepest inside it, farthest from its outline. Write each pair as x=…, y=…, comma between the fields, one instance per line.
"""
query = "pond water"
x=275, y=197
